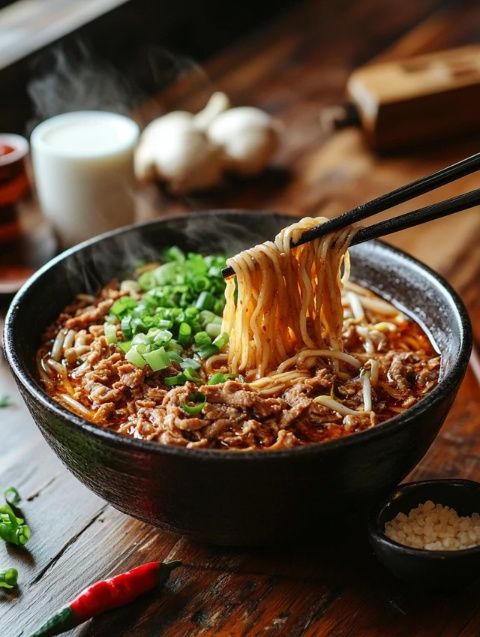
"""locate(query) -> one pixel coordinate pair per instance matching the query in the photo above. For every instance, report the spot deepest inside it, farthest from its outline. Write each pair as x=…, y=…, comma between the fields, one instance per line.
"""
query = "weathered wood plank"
x=335, y=587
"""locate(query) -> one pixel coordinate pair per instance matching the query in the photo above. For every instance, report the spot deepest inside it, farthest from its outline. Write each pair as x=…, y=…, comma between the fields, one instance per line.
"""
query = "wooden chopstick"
x=399, y=195
x=395, y=197
x=416, y=217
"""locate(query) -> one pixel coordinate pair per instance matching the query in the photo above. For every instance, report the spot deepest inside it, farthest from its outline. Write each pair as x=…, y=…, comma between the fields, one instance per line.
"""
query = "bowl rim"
x=378, y=536
x=404, y=419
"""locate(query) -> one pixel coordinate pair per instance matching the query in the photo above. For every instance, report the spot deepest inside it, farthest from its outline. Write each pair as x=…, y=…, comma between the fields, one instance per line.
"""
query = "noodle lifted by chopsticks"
x=283, y=300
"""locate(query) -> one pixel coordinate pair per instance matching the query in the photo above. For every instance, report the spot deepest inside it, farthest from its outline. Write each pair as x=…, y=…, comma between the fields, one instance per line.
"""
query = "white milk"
x=83, y=167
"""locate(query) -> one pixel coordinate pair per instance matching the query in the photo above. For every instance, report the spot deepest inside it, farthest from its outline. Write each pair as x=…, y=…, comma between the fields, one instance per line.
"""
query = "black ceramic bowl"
x=229, y=497
x=438, y=570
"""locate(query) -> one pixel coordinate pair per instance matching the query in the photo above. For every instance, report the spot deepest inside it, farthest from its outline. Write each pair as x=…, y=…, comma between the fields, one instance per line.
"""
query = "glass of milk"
x=83, y=168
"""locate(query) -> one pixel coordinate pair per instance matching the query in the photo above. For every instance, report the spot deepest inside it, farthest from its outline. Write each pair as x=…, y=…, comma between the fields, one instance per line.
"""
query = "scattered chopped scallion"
x=207, y=351
x=110, y=333
x=218, y=378
x=179, y=315
x=8, y=578
x=123, y=304
x=195, y=405
x=221, y=341
x=133, y=356
x=12, y=496
x=202, y=339
x=178, y=379
x=4, y=401
x=158, y=359
x=12, y=528
x=189, y=363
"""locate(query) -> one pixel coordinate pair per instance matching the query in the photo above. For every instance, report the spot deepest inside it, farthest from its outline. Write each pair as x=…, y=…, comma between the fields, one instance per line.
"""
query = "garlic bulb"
x=191, y=152
x=185, y=159
x=249, y=138
x=175, y=121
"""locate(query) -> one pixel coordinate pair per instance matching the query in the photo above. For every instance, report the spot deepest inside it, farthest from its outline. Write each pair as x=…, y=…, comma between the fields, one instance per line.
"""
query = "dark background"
x=143, y=45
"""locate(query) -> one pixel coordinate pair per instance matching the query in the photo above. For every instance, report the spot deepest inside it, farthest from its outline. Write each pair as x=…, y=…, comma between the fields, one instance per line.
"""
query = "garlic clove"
x=218, y=103
x=249, y=137
x=144, y=162
x=185, y=159
x=175, y=121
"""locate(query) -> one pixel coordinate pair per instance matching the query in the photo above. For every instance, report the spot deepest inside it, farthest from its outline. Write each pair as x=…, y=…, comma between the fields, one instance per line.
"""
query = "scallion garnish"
x=179, y=315
x=123, y=304
x=178, y=379
x=12, y=496
x=221, y=341
x=133, y=356
x=218, y=378
x=189, y=363
x=110, y=332
x=4, y=400
x=12, y=528
x=8, y=578
x=158, y=359
x=196, y=403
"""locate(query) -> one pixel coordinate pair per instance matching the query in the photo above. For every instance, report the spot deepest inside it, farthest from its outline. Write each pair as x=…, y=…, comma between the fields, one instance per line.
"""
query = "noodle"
x=285, y=300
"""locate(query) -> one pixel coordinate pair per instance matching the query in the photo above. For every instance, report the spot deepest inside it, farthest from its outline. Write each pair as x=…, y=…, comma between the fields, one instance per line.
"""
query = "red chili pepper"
x=105, y=595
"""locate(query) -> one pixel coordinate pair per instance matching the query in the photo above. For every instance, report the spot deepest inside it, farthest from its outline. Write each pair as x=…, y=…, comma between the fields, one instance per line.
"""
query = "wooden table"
x=292, y=68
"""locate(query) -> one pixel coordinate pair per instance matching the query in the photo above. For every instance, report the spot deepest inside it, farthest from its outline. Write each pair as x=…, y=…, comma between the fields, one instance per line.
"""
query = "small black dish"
x=438, y=570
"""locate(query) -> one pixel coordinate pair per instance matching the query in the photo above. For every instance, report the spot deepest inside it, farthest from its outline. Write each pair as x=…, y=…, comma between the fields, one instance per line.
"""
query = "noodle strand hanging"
x=283, y=300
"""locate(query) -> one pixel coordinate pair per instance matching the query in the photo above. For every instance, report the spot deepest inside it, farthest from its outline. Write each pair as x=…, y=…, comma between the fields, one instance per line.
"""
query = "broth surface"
x=388, y=364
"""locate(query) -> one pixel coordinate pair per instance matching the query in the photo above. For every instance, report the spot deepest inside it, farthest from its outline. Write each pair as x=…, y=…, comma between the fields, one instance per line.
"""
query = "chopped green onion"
x=179, y=379
x=221, y=340
x=166, y=273
x=12, y=528
x=174, y=357
x=110, y=332
x=208, y=317
x=181, y=306
x=174, y=254
x=199, y=401
x=15, y=499
x=158, y=359
x=213, y=329
x=122, y=304
x=205, y=301
x=146, y=280
x=133, y=356
x=125, y=346
x=184, y=334
x=218, y=306
x=4, y=401
x=191, y=375
x=8, y=578
x=202, y=339
x=207, y=351
x=189, y=363
x=218, y=378
x=162, y=336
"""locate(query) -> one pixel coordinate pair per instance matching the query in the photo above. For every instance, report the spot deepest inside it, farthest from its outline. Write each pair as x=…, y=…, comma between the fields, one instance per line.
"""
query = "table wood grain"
x=333, y=587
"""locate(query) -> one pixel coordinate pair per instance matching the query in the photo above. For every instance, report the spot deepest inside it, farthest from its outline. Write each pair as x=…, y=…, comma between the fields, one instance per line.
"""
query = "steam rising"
x=74, y=78
x=78, y=80
x=92, y=268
